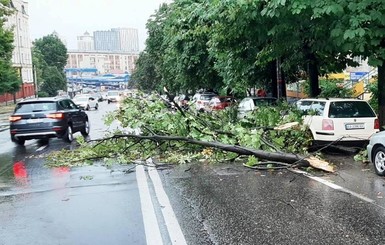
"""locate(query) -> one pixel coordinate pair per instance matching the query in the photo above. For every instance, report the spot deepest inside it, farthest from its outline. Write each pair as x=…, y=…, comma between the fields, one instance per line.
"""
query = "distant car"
x=45, y=118
x=113, y=96
x=376, y=152
x=220, y=103
x=249, y=104
x=86, y=102
x=343, y=121
x=201, y=100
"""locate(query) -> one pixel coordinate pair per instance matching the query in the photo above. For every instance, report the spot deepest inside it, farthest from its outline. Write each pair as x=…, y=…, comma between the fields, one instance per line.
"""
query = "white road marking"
x=151, y=227
x=173, y=227
x=334, y=186
x=42, y=148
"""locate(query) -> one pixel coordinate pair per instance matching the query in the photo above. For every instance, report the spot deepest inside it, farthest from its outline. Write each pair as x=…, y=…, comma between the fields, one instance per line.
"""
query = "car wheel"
x=96, y=106
x=86, y=129
x=18, y=141
x=88, y=108
x=69, y=136
x=379, y=160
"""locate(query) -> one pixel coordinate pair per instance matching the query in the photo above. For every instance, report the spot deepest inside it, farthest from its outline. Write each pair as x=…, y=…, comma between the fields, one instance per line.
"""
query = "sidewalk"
x=5, y=112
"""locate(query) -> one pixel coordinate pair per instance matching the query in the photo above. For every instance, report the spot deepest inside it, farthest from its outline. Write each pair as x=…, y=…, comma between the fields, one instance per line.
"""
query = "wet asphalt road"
x=214, y=204
x=89, y=205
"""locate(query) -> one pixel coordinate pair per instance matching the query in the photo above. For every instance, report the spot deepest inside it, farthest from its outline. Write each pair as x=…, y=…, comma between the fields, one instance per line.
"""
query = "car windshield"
x=207, y=96
x=264, y=101
x=81, y=99
x=113, y=93
x=35, y=107
x=347, y=109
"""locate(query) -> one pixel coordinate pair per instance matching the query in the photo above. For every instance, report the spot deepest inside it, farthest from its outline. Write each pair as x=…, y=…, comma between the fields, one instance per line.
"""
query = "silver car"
x=376, y=152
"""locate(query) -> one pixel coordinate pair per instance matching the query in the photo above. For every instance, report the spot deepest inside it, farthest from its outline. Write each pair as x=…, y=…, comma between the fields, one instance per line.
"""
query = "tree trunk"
x=274, y=80
x=313, y=75
x=271, y=156
x=381, y=95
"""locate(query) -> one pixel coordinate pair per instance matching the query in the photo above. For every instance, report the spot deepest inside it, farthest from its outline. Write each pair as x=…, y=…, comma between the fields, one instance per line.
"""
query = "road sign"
x=354, y=76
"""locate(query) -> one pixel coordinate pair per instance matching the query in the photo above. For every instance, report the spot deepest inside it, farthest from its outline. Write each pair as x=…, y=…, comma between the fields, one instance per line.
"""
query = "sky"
x=71, y=18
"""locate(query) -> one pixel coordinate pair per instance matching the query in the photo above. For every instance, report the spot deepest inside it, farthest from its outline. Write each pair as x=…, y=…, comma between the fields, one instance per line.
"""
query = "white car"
x=249, y=104
x=201, y=100
x=376, y=152
x=343, y=121
x=86, y=102
x=113, y=96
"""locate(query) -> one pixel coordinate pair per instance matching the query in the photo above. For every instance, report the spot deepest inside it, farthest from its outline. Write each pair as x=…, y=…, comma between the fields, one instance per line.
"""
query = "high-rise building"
x=85, y=42
x=62, y=39
x=106, y=41
x=117, y=39
x=128, y=37
x=22, y=55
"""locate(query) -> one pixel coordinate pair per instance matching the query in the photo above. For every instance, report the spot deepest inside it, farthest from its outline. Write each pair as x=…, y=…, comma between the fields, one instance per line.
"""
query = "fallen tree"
x=183, y=136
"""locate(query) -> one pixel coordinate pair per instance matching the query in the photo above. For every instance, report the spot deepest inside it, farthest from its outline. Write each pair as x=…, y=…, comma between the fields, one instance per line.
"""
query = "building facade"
x=85, y=42
x=107, y=41
x=22, y=54
x=103, y=61
x=128, y=39
x=117, y=39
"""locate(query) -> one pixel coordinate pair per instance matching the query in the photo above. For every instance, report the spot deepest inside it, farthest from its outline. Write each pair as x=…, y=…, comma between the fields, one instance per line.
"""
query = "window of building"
x=358, y=59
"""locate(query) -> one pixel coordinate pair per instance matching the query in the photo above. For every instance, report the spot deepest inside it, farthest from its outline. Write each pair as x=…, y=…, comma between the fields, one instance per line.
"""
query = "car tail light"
x=199, y=102
x=327, y=124
x=376, y=124
x=56, y=115
x=14, y=118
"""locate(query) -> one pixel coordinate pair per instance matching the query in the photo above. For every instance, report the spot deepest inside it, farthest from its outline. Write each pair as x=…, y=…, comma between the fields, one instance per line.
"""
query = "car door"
x=74, y=114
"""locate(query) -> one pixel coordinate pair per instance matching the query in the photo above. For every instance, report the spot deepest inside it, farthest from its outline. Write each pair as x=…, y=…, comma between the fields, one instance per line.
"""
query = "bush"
x=42, y=94
x=330, y=89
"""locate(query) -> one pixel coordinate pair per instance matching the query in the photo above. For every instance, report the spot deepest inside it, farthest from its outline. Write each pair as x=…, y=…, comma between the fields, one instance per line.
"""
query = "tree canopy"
x=49, y=59
x=10, y=81
x=201, y=44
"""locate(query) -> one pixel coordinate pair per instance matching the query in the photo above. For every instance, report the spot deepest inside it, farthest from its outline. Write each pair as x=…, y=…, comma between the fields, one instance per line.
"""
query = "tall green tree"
x=9, y=79
x=53, y=81
x=49, y=59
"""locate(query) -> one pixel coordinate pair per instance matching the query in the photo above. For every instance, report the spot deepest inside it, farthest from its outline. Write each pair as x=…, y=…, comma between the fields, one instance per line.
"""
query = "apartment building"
x=103, y=61
x=22, y=54
x=85, y=42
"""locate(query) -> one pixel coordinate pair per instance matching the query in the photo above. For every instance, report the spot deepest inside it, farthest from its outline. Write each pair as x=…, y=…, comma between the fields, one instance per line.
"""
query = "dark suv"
x=45, y=118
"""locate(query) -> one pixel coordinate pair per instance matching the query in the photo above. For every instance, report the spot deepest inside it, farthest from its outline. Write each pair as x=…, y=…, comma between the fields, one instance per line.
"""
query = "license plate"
x=37, y=120
x=355, y=126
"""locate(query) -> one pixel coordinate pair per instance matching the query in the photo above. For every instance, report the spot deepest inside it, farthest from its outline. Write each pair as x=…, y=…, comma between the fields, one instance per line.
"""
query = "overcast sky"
x=71, y=18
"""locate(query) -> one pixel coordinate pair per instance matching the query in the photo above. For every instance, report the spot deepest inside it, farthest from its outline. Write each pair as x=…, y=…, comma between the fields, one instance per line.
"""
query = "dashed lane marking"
x=334, y=186
x=41, y=148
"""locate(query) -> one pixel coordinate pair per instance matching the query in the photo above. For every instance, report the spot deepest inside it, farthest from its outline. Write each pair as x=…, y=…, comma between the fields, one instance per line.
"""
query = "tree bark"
x=313, y=75
x=274, y=79
x=381, y=95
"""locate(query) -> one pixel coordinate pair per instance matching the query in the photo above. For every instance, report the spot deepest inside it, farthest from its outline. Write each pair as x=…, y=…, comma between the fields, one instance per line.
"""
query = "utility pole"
x=35, y=81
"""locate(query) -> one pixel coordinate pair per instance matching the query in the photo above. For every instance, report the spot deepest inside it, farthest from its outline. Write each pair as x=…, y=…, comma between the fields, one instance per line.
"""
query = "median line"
x=151, y=226
x=173, y=227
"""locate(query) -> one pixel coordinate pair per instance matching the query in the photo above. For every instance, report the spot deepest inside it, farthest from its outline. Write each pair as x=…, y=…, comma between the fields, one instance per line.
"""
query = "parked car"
x=200, y=100
x=86, y=102
x=45, y=118
x=249, y=104
x=376, y=152
x=220, y=103
x=343, y=121
x=113, y=96
x=182, y=101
